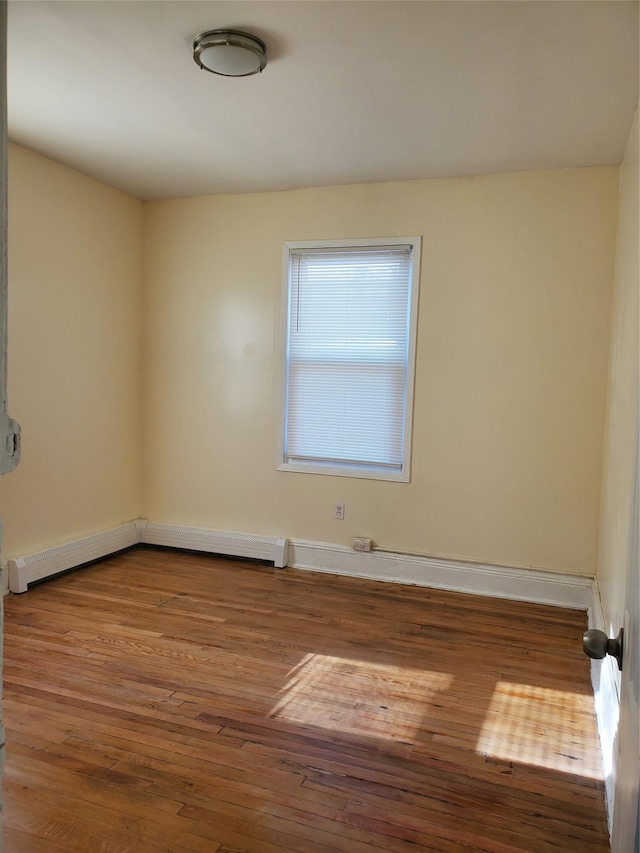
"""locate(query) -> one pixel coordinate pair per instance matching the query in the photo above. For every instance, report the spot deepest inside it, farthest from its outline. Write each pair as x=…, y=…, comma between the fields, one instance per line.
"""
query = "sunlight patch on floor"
x=372, y=699
x=543, y=727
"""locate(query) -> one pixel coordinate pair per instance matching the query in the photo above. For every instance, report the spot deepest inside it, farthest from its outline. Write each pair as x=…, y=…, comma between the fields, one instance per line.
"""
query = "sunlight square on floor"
x=360, y=697
x=543, y=727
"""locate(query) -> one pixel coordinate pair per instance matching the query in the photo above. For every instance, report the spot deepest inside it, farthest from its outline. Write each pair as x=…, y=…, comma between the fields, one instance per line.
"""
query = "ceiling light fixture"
x=231, y=53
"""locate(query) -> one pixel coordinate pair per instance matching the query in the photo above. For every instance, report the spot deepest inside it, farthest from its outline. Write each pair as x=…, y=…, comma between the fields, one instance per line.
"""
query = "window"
x=350, y=321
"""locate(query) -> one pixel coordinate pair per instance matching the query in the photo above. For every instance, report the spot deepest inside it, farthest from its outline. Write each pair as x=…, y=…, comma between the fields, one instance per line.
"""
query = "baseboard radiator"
x=272, y=548
x=35, y=567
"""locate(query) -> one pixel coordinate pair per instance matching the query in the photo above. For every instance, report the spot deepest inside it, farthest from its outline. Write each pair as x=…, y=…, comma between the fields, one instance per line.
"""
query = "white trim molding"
x=532, y=585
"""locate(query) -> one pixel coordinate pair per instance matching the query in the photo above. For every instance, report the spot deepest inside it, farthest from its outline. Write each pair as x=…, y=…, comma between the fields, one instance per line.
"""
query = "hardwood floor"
x=161, y=701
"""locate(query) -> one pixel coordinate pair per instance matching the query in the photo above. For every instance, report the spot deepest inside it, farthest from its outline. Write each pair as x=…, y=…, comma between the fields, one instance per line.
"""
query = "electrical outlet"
x=338, y=511
x=361, y=543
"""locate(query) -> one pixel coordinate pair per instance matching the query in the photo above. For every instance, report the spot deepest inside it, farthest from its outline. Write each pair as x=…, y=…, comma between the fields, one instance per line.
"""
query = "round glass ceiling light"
x=231, y=53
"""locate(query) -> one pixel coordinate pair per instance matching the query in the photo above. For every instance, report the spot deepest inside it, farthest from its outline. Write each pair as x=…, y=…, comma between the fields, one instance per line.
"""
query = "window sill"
x=362, y=472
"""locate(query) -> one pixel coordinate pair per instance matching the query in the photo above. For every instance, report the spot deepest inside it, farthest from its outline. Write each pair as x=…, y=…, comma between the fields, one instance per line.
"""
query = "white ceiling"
x=356, y=91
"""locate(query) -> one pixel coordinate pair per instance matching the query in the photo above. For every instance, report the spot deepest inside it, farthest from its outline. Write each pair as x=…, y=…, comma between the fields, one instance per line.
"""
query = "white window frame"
x=344, y=469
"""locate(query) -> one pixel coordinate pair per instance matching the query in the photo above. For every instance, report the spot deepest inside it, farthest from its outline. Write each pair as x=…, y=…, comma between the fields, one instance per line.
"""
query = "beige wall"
x=513, y=339
x=74, y=354
x=622, y=404
x=510, y=381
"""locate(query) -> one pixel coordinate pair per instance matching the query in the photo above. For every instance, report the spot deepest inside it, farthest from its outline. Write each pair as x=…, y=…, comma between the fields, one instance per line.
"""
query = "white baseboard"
x=605, y=678
x=477, y=578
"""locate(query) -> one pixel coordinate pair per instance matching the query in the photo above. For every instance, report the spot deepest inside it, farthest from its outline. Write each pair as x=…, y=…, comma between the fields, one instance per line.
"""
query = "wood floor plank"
x=164, y=701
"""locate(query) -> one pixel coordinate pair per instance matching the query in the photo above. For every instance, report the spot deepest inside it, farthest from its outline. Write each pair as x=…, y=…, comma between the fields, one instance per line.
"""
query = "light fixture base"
x=230, y=53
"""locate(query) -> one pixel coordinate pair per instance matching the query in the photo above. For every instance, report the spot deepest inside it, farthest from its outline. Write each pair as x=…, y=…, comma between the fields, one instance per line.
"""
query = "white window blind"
x=347, y=355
